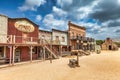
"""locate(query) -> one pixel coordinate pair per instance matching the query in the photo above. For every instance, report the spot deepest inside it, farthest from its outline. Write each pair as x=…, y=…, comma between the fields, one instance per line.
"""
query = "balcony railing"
x=12, y=39
x=5, y=38
x=81, y=38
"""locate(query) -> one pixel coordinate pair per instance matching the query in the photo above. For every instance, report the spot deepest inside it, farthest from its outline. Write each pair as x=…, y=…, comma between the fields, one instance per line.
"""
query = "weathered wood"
x=31, y=47
x=10, y=61
x=13, y=56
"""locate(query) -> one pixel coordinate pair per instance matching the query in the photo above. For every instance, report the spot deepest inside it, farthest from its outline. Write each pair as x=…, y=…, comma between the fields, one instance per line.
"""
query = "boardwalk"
x=104, y=66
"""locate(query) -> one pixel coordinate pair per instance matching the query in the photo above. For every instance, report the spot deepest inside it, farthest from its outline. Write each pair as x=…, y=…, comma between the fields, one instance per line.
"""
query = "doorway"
x=17, y=55
x=1, y=52
x=110, y=47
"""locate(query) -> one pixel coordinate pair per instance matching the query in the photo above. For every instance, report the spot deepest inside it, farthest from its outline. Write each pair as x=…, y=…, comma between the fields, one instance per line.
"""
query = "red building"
x=18, y=39
x=24, y=32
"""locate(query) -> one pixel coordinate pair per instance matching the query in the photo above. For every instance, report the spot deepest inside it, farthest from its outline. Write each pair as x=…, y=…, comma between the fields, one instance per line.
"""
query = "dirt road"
x=104, y=66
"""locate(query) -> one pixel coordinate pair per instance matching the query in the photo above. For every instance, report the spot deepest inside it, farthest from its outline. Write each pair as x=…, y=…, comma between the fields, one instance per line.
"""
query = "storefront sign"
x=24, y=26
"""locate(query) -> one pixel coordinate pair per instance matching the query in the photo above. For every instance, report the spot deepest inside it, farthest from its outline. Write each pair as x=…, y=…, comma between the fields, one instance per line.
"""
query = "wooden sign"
x=24, y=26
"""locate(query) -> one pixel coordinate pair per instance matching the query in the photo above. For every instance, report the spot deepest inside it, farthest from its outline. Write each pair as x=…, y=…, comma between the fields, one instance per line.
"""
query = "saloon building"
x=19, y=39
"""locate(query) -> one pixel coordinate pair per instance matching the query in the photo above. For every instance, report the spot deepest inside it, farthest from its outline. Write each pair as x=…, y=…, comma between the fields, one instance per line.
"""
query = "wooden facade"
x=77, y=38
x=60, y=41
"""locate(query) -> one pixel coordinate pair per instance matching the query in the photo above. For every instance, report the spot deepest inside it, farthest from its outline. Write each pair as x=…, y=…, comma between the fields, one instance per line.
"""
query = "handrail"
x=4, y=38
x=49, y=46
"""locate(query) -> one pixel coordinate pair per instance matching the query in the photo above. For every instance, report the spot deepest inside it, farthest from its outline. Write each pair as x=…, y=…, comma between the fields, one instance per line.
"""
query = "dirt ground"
x=104, y=66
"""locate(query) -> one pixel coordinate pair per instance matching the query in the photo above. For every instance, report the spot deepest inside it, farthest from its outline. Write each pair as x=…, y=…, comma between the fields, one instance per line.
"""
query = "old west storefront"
x=19, y=40
x=24, y=38
x=78, y=39
x=60, y=41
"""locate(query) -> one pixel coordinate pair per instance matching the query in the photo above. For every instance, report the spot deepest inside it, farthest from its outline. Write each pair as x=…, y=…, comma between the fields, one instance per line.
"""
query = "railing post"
x=10, y=38
x=31, y=39
x=13, y=38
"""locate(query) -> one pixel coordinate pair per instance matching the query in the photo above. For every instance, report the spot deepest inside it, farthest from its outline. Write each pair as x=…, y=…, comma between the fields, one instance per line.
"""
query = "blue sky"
x=100, y=17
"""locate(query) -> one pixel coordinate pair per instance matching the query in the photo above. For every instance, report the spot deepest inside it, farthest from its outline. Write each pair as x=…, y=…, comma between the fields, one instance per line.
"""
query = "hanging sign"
x=24, y=26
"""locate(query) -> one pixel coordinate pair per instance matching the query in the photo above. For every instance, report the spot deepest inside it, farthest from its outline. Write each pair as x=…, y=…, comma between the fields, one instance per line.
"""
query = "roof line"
x=81, y=27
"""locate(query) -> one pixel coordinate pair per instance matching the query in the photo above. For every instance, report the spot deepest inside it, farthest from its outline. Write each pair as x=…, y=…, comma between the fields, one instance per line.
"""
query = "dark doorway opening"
x=110, y=47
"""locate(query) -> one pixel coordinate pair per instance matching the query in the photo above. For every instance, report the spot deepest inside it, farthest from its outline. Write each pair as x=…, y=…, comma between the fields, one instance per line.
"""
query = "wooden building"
x=78, y=39
x=109, y=45
x=60, y=41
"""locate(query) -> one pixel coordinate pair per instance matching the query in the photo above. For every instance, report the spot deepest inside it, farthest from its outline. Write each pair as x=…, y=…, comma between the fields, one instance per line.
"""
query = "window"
x=34, y=50
x=57, y=38
x=43, y=36
x=63, y=39
x=72, y=33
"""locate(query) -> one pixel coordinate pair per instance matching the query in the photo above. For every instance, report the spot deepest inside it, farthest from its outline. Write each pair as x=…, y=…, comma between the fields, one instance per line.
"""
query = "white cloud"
x=38, y=17
x=58, y=11
x=31, y=5
x=119, y=1
x=50, y=22
x=64, y=2
x=84, y=11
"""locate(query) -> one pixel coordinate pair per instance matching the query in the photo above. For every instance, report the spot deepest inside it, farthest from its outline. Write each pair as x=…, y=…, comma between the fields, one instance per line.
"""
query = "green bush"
x=99, y=42
x=117, y=43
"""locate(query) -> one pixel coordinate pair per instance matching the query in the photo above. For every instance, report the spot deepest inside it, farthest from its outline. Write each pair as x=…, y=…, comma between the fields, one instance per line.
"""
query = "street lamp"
x=77, y=44
x=77, y=52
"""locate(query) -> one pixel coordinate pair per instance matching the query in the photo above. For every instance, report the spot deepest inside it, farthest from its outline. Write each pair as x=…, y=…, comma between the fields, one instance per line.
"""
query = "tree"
x=99, y=42
x=117, y=43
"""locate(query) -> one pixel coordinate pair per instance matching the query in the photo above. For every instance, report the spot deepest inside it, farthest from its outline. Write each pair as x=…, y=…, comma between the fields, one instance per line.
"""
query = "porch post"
x=37, y=52
x=50, y=53
x=13, y=55
x=44, y=53
x=5, y=51
x=31, y=53
x=60, y=50
x=10, y=55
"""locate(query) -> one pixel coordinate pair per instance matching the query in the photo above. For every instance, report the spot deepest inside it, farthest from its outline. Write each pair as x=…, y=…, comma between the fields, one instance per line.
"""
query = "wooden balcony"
x=12, y=39
x=82, y=38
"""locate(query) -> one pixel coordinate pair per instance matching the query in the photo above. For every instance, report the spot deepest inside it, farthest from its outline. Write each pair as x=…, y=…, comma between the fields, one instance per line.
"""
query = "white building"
x=59, y=40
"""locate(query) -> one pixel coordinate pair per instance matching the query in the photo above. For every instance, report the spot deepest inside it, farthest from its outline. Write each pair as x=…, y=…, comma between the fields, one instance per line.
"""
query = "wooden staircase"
x=52, y=51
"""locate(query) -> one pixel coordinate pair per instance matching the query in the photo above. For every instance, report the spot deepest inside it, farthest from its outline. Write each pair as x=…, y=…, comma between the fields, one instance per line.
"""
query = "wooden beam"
x=13, y=56
x=10, y=55
x=44, y=53
x=31, y=47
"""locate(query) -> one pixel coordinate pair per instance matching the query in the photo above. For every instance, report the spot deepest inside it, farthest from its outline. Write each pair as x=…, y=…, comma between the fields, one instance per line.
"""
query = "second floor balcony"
x=88, y=39
x=12, y=39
